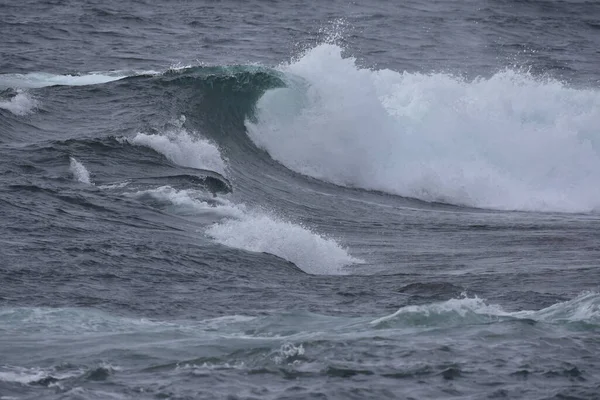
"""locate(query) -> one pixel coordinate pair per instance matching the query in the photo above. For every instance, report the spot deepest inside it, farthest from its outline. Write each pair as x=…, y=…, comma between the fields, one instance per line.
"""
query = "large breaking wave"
x=512, y=141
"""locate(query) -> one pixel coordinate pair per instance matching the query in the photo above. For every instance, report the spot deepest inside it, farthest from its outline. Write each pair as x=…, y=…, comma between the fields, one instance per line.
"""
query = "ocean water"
x=300, y=200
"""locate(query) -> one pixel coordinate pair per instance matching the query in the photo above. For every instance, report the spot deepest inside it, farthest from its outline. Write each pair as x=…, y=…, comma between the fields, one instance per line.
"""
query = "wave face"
x=511, y=141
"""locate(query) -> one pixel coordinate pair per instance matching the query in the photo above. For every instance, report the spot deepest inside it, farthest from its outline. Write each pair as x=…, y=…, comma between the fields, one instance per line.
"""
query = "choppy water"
x=299, y=200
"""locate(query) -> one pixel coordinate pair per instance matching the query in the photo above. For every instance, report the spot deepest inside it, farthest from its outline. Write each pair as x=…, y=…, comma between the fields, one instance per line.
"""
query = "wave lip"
x=509, y=142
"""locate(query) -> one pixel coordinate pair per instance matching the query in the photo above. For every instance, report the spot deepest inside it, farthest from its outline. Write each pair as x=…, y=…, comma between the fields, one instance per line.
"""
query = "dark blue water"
x=292, y=200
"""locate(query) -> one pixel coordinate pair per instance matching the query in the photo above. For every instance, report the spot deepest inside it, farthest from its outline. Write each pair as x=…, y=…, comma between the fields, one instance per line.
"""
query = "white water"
x=184, y=149
x=31, y=375
x=239, y=227
x=512, y=141
x=21, y=104
x=43, y=79
x=79, y=172
x=583, y=308
x=308, y=250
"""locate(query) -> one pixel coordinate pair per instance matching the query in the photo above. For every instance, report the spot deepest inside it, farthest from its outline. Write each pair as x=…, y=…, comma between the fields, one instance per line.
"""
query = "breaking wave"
x=184, y=149
x=236, y=225
x=79, y=172
x=512, y=141
x=20, y=104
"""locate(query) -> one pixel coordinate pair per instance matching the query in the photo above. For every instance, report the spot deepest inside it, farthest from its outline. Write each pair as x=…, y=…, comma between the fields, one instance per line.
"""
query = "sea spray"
x=20, y=104
x=184, y=148
x=79, y=172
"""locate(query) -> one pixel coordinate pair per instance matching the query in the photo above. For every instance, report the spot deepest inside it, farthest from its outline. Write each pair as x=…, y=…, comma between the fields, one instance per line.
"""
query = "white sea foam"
x=42, y=79
x=583, y=308
x=65, y=321
x=243, y=228
x=20, y=104
x=512, y=141
x=288, y=352
x=185, y=149
x=257, y=232
x=79, y=171
x=22, y=375
x=29, y=375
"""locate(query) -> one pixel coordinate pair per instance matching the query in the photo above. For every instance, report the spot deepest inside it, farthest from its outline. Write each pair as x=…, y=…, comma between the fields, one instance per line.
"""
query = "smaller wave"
x=21, y=104
x=239, y=227
x=585, y=308
x=184, y=149
x=80, y=173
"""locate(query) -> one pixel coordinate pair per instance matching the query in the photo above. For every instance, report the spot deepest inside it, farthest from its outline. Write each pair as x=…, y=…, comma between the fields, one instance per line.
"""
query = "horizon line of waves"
x=510, y=142
x=235, y=225
x=585, y=308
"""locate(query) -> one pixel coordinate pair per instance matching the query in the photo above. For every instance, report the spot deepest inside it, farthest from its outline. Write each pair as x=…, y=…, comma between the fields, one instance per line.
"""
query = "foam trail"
x=183, y=149
x=21, y=104
x=80, y=173
x=512, y=141
x=237, y=226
